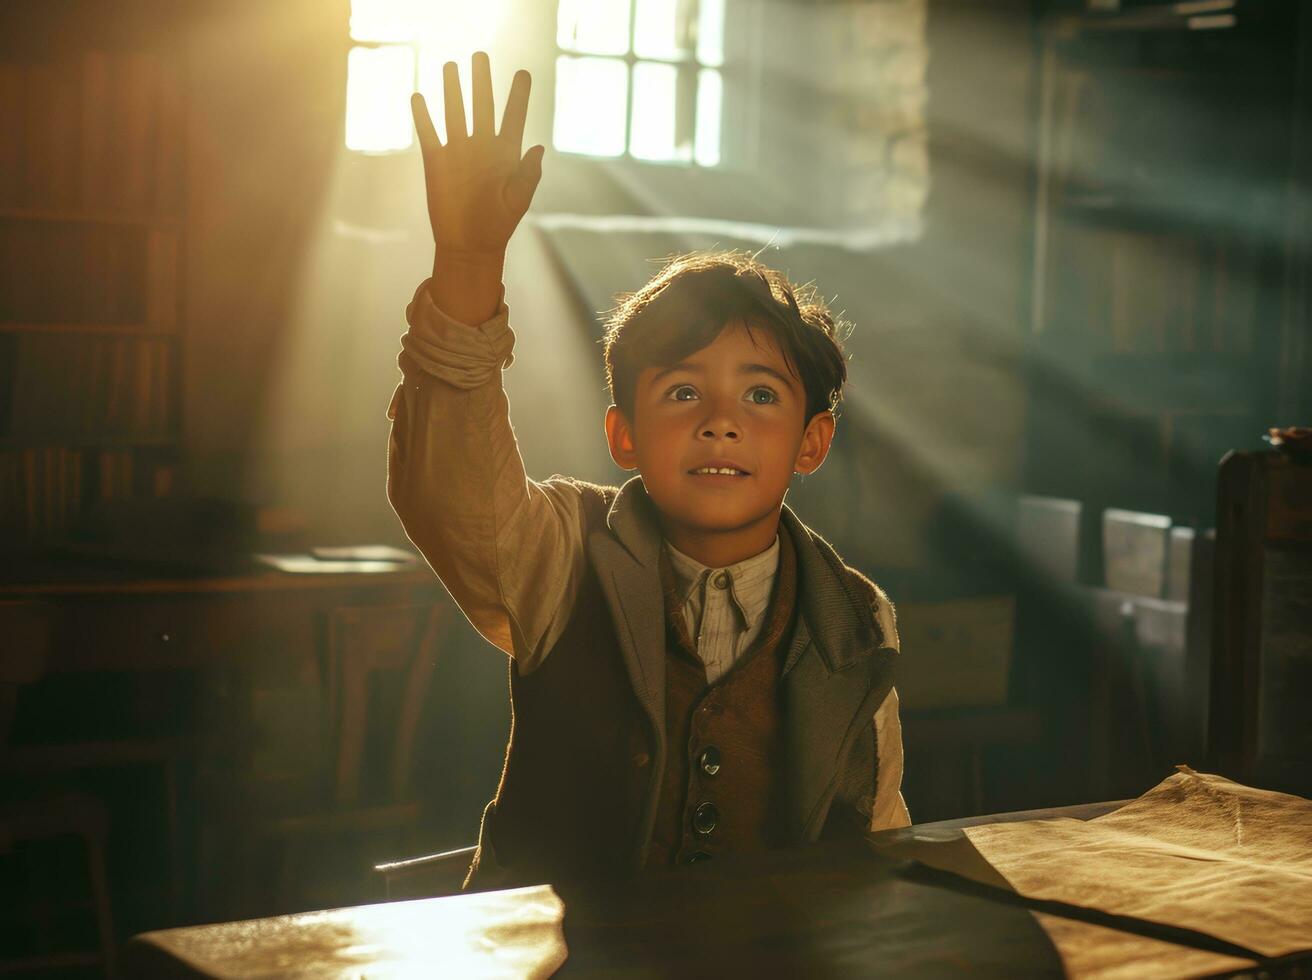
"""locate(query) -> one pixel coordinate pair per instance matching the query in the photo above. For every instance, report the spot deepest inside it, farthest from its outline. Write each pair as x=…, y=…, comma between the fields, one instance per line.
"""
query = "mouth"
x=721, y=471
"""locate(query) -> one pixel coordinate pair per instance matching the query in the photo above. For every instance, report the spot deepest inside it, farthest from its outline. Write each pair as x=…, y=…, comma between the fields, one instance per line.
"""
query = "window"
x=642, y=78
x=399, y=46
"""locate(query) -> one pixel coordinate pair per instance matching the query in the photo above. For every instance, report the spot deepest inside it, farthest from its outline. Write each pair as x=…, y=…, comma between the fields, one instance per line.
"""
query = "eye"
x=682, y=393
x=761, y=395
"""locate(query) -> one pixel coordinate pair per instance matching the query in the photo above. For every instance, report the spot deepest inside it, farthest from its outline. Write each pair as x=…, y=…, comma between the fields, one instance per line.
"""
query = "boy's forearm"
x=467, y=286
x=508, y=549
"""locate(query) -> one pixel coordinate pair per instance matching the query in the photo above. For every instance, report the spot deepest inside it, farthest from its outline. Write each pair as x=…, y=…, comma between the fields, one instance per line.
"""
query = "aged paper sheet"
x=1094, y=952
x=1197, y=851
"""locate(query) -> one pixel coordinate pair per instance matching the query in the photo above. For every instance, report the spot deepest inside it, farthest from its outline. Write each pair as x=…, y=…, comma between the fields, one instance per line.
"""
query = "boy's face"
x=734, y=404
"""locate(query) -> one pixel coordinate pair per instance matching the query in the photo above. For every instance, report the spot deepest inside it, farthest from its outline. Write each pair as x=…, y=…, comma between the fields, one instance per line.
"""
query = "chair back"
x=1048, y=535
x=1135, y=548
x=380, y=664
x=1259, y=728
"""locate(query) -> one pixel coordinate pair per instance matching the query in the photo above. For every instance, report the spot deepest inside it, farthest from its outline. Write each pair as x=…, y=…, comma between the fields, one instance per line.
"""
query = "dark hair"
x=686, y=305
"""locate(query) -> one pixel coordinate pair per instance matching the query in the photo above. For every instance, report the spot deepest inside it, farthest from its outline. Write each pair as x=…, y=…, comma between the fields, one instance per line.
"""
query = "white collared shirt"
x=724, y=608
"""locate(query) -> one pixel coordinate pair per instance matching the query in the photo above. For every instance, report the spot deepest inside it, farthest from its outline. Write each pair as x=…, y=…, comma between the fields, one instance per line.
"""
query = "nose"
x=720, y=424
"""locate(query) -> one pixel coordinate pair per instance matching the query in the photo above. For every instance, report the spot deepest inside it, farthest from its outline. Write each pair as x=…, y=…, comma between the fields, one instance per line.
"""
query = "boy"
x=694, y=672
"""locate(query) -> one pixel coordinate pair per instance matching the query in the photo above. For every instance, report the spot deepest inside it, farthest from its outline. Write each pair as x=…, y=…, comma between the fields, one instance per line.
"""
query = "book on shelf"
x=45, y=490
x=41, y=491
x=89, y=282
x=170, y=138
x=116, y=477
x=161, y=278
x=165, y=375
x=97, y=129
x=94, y=131
x=38, y=190
x=67, y=385
x=12, y=85
x=12, y=526
x=69, y=273
x=1154, y=288
x=135, y=90
x=64, y=135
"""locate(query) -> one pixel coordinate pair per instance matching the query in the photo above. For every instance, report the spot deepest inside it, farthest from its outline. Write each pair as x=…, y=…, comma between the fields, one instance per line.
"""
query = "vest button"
x=696, y=856
x=704, y=817
x=709, y=760
x=721, y=581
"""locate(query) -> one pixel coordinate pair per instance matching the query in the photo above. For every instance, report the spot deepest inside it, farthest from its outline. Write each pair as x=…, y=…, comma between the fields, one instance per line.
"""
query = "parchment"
x=1197, y=851
x=1094, y=952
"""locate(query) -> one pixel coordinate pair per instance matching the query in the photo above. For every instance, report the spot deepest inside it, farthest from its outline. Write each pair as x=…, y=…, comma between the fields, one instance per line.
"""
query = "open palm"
x=478, y=184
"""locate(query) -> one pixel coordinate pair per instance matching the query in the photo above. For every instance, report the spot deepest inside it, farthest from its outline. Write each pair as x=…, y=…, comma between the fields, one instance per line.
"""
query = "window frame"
x=416, y=53
x=740, y=91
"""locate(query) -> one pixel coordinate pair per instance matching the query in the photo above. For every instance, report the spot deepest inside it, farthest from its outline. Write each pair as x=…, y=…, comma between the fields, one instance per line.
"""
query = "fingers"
x=484, y=117
x=484, y=106
x=512, y=123
x=522, y=185
x=454, y=102
x=428, y=141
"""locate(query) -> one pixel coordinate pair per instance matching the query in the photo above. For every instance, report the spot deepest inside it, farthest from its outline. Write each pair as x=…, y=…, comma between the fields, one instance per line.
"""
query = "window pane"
x=657, y=32
x=591, y=96
x=710, y=99
x=378, y=86
x=655, y=90
x=710, y=32
x=457, y=26
x=382, y=20
x=593, y=26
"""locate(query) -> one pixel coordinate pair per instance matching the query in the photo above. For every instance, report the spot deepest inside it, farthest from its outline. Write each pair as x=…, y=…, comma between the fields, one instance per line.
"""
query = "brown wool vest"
x=722, y=789
x=577, y=763
x=577, y=773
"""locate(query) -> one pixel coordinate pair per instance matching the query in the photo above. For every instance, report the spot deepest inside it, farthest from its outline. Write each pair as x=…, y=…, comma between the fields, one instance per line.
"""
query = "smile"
x=718, y=471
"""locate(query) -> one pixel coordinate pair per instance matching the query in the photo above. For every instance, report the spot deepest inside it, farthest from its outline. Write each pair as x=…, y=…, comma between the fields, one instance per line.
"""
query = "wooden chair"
x=1135, y=548
x=1048, y=536
x=372, y=651
x=26, y=627
x=1150, y=651
x=1259, y=726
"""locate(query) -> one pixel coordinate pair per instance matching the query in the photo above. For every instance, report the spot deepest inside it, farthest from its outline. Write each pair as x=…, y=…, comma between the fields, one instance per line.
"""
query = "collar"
x=839, y=617
x=749, y=580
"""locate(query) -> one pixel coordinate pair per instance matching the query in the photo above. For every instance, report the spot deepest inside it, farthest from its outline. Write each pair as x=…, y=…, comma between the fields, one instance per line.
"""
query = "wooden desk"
x=841, y=909
x=108, y=622
x=254, y=639
x=243, y=653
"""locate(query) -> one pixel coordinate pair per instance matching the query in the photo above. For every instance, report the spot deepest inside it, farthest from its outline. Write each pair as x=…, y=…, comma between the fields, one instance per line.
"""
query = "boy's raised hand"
x=478, y=185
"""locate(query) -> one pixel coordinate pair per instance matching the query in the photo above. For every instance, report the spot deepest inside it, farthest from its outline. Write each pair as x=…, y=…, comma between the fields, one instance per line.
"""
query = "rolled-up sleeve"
x=889, y=809
x=507, y=548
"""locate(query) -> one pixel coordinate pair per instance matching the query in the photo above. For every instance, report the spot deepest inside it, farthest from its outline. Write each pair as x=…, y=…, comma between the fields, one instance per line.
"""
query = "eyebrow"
x=742, y=370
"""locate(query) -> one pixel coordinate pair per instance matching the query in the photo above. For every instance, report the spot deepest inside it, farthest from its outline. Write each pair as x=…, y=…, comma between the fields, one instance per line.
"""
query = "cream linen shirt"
x=724, y=608
x=510, y=549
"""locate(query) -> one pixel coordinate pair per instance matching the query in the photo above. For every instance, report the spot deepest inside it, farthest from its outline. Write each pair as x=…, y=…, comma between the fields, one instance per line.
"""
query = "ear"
x=619, y=436
x=815, y=442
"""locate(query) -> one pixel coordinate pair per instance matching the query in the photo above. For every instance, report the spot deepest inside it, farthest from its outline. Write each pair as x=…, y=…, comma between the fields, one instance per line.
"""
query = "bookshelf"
x=92, y=221
x=1165, y=250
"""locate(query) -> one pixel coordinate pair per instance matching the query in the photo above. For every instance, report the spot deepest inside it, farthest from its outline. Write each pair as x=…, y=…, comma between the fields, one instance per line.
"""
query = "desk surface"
x=50, y=579
x=840, y=909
